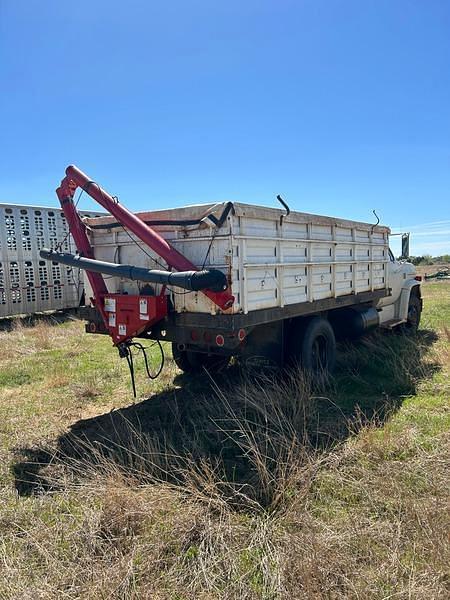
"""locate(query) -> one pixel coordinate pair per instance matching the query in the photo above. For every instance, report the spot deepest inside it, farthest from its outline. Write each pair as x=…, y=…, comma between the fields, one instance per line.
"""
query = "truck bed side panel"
x=271, y=262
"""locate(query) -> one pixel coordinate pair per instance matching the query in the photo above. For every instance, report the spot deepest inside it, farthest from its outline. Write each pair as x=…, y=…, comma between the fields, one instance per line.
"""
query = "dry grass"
x=245, y=488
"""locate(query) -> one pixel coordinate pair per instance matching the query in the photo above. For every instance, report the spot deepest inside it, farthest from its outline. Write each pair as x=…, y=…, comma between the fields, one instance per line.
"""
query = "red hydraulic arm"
x=76, y=178
x=78, y=230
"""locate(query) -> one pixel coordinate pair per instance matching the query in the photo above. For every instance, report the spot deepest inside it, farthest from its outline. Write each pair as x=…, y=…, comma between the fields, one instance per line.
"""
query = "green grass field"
x=240, y=488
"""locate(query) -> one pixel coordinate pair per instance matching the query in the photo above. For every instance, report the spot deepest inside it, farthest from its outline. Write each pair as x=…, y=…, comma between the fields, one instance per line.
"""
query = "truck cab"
x=404, y=304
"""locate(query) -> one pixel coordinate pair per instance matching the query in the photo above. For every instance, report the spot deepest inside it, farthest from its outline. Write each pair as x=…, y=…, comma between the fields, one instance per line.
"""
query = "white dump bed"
x=271, y=260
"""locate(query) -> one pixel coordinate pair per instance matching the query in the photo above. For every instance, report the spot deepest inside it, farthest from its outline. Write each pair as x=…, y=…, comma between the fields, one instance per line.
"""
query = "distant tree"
x=425, y=260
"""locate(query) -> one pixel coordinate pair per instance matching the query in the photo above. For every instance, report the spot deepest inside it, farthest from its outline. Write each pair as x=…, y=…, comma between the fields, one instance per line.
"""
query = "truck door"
x=395, y=277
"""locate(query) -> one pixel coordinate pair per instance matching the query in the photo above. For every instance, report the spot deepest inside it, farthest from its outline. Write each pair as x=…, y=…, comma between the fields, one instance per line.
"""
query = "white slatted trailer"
x=29, y=284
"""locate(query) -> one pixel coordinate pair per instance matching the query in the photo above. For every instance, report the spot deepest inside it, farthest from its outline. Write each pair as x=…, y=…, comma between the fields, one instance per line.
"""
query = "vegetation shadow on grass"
x=235, y=435
x=50, y=319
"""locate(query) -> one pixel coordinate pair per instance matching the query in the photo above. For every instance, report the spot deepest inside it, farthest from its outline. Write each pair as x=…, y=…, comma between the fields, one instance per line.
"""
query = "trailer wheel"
x=313, y=345
x=195, y=362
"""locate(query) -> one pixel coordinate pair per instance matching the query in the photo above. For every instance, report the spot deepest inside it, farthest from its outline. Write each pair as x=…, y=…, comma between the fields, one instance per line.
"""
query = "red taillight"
x=220, y=340
x=241, y=334
x=418, y=277
x=194, y=335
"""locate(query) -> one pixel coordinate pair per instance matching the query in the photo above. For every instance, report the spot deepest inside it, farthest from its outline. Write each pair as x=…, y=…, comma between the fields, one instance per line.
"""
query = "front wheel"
x=414, y=313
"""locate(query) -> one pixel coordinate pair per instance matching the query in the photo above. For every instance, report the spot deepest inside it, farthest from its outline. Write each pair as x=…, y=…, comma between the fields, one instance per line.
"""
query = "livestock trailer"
x=29, y=284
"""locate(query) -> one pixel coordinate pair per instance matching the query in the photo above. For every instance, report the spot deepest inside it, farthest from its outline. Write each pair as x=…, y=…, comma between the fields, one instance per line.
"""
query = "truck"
x=266, y=285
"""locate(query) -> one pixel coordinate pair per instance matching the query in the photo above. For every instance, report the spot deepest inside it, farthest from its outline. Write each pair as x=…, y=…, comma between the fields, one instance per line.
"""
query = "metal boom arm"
x=194, y=281
x=76, y=178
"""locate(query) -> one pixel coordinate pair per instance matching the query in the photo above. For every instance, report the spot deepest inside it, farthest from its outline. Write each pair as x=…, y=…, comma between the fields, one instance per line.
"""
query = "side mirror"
x=405, y=245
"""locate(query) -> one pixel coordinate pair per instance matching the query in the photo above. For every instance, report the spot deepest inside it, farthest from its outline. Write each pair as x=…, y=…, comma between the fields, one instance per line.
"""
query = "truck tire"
x=313, y=345
x=195, y=362
x=414, y=313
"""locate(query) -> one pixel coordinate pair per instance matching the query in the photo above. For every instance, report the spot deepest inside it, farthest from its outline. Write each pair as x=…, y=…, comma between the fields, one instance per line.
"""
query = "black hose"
x=211, y=279
x=129, y=358
x=143, y=349
x=218, y=222
x=125, y=351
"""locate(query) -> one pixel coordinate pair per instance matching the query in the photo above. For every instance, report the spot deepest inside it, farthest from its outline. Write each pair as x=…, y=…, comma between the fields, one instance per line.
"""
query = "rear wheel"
x=195, y=362
x=313, y=345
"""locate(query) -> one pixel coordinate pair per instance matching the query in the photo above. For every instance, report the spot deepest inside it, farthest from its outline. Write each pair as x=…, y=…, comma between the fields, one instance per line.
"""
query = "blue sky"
x=340, y=106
